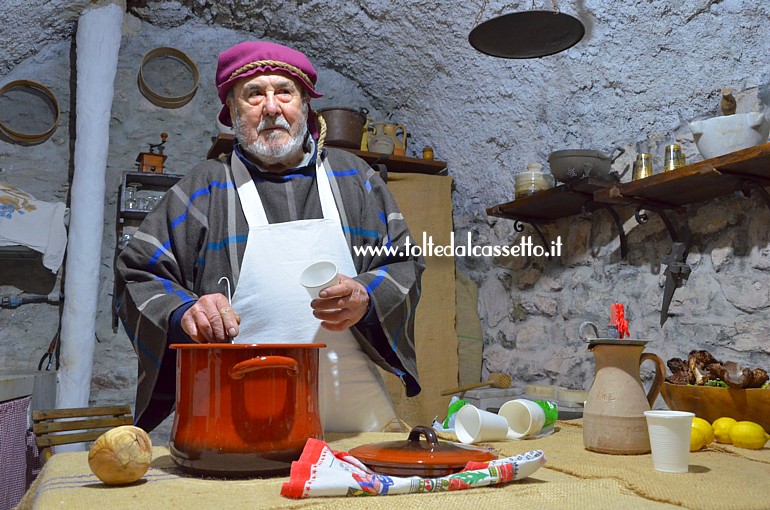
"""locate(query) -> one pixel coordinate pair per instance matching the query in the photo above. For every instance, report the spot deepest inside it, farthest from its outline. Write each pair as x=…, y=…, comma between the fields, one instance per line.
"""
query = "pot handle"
x=620, y=150
x=403, y=134
x=624, y=172
x=756, y=119
x=586, y=336
x=239, y=370
x=428, y=432
x=660, y=373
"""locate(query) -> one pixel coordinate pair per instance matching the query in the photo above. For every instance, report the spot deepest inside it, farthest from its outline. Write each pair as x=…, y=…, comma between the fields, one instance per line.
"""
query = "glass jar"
x=531, y=181
x=130, y=197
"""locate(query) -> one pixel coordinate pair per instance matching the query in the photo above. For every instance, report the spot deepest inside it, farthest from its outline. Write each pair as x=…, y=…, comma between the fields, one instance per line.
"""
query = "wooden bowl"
x=710, y=403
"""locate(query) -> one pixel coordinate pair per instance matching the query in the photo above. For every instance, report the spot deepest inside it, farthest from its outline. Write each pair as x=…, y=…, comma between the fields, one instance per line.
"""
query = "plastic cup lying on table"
x=318, y=276
x=529, y=418
x=473, y=425
x=670, y=440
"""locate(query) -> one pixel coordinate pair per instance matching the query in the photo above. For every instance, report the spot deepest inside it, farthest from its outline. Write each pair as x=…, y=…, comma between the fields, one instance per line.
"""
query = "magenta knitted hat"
x=251, y=57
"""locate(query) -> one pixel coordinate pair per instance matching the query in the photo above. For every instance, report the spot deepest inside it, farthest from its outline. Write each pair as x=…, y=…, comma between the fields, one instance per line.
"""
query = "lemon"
x=697, y=440
x=747, y=434
x=722, y=429
x=705, y=427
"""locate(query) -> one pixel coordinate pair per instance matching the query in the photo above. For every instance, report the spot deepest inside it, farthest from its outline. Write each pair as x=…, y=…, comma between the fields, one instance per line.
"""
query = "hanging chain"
x=481, y=12
x=485, y=2
x=555, y=6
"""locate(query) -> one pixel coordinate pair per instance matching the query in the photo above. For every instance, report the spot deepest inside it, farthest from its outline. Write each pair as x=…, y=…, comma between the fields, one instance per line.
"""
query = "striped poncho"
x=197, y=234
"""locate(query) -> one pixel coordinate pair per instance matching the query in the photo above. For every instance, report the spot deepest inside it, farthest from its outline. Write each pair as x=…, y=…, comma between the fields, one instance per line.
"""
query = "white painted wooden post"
x=98, y=42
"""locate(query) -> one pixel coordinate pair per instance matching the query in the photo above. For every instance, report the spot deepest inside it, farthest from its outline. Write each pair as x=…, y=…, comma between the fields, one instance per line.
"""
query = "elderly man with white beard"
x=258, y=216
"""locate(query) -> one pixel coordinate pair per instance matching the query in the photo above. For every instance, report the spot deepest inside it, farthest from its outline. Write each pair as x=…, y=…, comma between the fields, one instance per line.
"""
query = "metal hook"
x=229, y=297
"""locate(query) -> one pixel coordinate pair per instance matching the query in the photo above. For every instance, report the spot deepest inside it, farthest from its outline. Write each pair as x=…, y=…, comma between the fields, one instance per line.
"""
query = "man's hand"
x=211, y=320
x=341, y=305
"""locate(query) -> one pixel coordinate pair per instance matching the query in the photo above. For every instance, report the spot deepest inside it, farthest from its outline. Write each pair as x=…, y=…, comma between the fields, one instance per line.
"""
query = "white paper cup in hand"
x=316, y=277
x=670, y=440
x=473, y=425
x=524, y=417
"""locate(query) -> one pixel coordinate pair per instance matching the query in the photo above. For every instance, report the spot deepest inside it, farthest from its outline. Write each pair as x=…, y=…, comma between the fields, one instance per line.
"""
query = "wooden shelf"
x=402, y=163
x=693, y=183
x=223, y=144
x=552, y=204
x=698, y=182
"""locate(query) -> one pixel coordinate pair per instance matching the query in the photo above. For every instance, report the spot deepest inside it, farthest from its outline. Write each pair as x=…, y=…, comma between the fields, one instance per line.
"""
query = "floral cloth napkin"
x=33, y=223
x=321, y=471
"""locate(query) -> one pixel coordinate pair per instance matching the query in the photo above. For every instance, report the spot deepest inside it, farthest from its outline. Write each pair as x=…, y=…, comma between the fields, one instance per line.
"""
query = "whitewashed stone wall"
x=642, y=65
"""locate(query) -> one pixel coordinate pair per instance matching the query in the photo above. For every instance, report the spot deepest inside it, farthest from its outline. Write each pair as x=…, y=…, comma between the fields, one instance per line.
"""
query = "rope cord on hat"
x=321, y=129
x=274, y=63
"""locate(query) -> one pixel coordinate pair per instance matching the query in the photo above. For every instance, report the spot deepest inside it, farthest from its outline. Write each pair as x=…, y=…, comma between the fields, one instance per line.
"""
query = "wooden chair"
x=88, y=423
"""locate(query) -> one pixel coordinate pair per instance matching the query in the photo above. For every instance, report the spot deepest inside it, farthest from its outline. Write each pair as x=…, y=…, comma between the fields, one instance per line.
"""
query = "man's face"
x=269, y=116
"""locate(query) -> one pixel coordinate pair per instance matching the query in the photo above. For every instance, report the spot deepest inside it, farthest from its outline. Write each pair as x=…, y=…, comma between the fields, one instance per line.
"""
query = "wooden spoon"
x=496, y=380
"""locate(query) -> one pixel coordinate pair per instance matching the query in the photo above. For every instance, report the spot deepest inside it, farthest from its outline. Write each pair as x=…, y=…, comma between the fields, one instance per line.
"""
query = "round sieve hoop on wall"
x=156, y=77
x=36, y=89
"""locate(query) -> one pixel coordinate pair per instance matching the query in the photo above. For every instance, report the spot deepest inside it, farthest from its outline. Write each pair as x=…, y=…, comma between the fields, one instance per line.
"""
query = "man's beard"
x=271, y=153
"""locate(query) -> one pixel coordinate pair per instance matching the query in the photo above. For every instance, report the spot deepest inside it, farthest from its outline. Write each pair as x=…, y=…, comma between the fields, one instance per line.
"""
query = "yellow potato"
x=121, y=455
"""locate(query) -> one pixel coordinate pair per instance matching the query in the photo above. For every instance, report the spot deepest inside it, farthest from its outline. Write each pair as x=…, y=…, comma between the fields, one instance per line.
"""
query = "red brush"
x=618, y=319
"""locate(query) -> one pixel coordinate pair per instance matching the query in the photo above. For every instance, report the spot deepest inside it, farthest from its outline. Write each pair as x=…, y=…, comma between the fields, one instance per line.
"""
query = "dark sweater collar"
x=306, y=170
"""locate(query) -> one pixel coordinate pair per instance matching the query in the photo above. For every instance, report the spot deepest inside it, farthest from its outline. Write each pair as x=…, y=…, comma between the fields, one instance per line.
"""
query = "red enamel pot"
x=244, y=409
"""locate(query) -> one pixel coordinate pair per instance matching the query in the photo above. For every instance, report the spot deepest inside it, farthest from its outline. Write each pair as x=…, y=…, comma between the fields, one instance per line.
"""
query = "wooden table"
x=720, y=478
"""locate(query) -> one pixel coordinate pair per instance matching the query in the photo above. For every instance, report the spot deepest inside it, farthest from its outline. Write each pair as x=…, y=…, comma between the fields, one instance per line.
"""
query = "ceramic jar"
x=531, y=181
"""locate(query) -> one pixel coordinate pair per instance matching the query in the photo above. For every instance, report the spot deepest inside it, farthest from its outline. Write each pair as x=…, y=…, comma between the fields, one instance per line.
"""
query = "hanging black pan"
x=527, y=34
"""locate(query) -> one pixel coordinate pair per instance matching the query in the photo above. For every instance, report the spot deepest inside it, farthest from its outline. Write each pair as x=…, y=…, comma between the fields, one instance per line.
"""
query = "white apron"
x=275, y=308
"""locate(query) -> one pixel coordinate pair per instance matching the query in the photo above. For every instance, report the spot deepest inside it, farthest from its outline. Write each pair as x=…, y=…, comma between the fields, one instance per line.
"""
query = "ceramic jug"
x=398, y=133
x=380, y=141
x=613, y=416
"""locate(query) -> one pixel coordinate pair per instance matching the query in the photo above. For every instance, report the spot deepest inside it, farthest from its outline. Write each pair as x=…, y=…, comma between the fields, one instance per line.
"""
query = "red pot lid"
x=420, y=458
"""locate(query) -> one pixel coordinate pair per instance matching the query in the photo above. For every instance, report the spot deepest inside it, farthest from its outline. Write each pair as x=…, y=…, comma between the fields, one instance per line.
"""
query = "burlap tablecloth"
x=720, y=478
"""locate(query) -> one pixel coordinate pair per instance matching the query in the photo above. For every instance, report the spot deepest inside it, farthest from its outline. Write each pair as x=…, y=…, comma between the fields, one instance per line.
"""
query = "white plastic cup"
x=526, y=418
x=670, y=440
x=316, y=277
x=473, y=425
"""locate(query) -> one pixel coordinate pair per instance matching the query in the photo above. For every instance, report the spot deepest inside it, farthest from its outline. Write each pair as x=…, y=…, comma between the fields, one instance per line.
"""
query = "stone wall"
x=642, y=67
